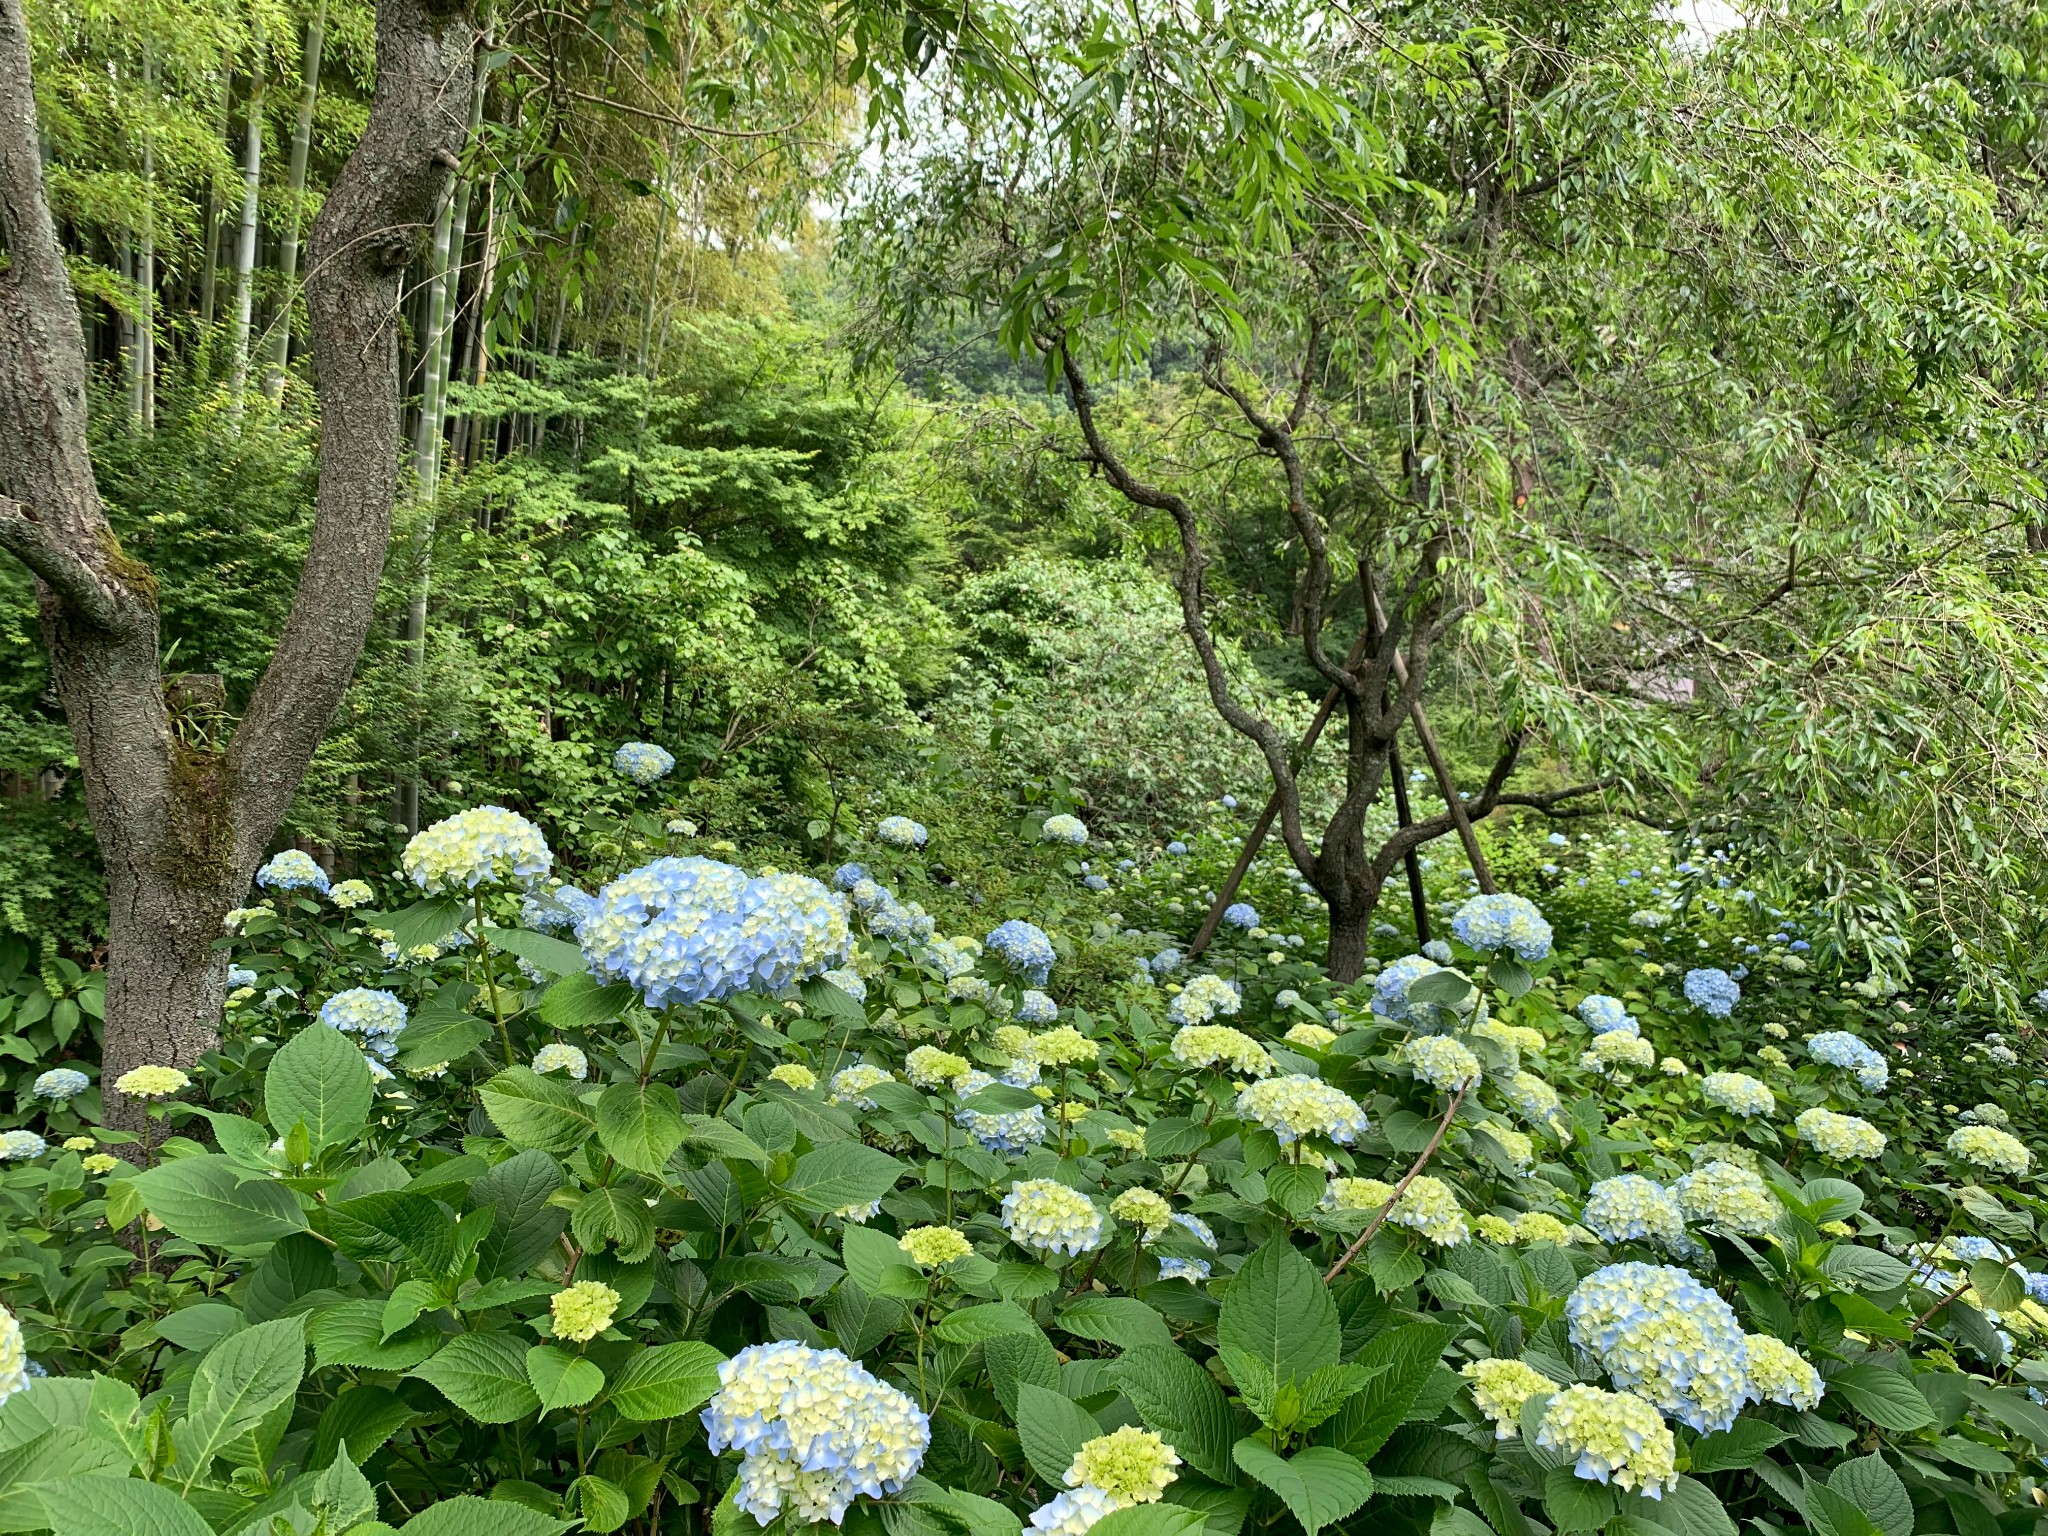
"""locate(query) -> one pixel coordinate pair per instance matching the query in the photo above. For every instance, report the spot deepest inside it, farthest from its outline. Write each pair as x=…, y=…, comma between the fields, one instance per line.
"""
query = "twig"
x=1443, y=1126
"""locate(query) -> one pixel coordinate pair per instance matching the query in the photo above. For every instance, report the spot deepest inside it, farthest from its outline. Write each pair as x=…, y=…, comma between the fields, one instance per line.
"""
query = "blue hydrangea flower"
x=999, y=1131
x=1839, y=1048
x=20, y=1146
x=643, y=762
x=692, y=930
x=1603, y=1014
x=1095, y=882
x=1036, y=1008
x=1165, y=962
x=1194, y=1271
x=1176, y=847
x=1438, y=950
x=556, y=911
x=1633, y=1208
x=901, y=832
x=378, y=1016
x=847, y=876
x=1241, y=914
x=1712, y=990
x=241, y=976
x=1502, y=921
x=1064, y=829
x=1048, y=1217
x=817, y=1430
x=1662, y=1335
x=1390, y=990
x=1024, y=947
x=292, y=870
x=61, y=1085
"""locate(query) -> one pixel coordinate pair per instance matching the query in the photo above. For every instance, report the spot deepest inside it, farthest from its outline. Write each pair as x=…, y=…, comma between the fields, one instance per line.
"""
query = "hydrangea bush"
x=702, y=1194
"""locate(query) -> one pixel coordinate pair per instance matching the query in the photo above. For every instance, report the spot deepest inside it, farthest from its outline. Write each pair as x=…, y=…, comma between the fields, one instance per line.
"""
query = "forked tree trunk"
x=1350, y=944
x=182, y=827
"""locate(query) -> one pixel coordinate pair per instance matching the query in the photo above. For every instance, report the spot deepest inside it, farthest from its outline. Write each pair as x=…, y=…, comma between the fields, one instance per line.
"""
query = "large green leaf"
x=238, y=1383
x=121, y=1506
x=210, y=1199
x=1018, y=1360
x=1183, y=1404
x=392, y=1226
x=561, y=1379
x=483, y=1374
x=1123, y=1321
x=666, y=1381
x=537, y=1112
x=1872, y=1486
x=1403, y=1359
x=321, y=1081
x=614, y=1215
x=468, y=1515
x=1319, y=1484
x=844, y=1173
x=524, y=1222
x=1741, y=1444
x=351, y=1333
x=1884, y=1397
x=576, y=1003
x=1053, y=1427
x=1150, y=1520
x=558, y=957
x=640, y=1124
x=1278, y=1311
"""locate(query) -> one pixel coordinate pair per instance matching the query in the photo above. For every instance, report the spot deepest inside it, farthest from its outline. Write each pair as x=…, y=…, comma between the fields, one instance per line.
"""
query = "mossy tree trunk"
x=184, y=804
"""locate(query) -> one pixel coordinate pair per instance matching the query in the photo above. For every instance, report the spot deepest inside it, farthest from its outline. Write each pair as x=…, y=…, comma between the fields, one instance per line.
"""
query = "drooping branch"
x=371, y=227
x=1188, y=580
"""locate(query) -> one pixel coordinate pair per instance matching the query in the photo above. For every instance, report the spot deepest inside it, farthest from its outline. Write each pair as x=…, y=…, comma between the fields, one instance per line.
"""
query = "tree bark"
x=1350, y=944
x=182, y=820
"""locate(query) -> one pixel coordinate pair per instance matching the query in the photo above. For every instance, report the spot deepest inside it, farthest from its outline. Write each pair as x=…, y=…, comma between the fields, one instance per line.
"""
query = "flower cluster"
x=1534, y=1100
x=692, y=930
x=1241, y=914
x=1441, y=1062
x=1062, y=1047
x=485, y=845
x=816, y=1429
x=1619, y=1051
x=1713, y=991
x=1312, y=1037
x=1130, y=1464
x=583, y=1311
x=1502, y=1388
x=13, y=1357
x=60, y=1085
x=1990, y=1148
x=1427, y=1206
x=1781, y=1374
x=901, y=832
x=378, y=1016
x=1845, y=1138
x=1034, y=1007
x=1064, y=829
x=1047, y=1216
x=19, y=1146
x=931, y=1069
x=1390, y=988
x=929, y=1247
x=643, y=762
x=1738, y=1093
x=851, y=1084
x=1541, y=1227
x=1728, y=1196
x=1614, y=1436
x=1024, y=948
x=1144, y=1209
x=847, y=981
x=556, y=1056
x=1002, y=1131
x=794, y=1074
x=1207, y=1045
x=1632, y=1207
x=1202, y=999
x=1603, y=1014
x=292, y=870
x=1839, y=1048
x=350, y=894
x=1500, y=921
x=152, y=1082
x=1297, y=1106
x=1662, y=1335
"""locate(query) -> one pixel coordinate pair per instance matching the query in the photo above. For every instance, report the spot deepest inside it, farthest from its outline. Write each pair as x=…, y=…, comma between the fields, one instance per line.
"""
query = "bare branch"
x=74, y=582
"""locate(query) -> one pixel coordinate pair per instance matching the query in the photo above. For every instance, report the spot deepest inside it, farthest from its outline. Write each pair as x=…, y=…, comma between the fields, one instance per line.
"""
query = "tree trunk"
x=245, y=245
x=1350, y=943
x=280, y=350
x=181, y=827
